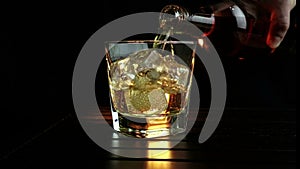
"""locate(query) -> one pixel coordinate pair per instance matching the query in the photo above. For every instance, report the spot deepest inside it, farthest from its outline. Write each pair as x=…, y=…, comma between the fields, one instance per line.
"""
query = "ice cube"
x=125, y=72
x=175, y=70
x=120, y=77
x=153, y=60
x=183, y=73
x=146, y=102
x=157, y=101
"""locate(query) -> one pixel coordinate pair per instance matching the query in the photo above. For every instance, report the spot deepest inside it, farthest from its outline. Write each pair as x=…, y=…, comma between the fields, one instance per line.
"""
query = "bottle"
x=229, y=27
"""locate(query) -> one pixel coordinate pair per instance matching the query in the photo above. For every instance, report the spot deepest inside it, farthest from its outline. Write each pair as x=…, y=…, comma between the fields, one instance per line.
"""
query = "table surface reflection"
x=245, y=138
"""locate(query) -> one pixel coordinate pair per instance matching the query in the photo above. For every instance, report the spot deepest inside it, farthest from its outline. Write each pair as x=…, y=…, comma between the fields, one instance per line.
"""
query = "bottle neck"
x=225, y=14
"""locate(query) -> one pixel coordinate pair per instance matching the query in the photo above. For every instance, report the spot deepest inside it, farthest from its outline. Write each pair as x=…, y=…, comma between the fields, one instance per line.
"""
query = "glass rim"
x=190, y=42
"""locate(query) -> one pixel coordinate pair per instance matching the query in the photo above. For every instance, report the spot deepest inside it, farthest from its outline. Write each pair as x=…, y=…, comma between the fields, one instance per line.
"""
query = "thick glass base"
x=149, y=127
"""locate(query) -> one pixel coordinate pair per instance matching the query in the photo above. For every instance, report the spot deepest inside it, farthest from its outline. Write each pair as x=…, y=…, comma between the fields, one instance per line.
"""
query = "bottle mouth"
x=177, y=11
x=172, y=17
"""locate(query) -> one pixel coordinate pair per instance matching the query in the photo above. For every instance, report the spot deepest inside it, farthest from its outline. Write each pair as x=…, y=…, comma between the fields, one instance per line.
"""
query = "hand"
x=279, y=11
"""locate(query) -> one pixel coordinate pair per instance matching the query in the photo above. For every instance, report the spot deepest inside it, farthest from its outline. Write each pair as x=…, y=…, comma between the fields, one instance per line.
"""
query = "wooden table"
x=245, y=138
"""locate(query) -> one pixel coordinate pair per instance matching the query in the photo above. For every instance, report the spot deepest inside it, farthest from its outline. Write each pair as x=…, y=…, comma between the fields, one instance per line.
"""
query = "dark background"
x=39, y=47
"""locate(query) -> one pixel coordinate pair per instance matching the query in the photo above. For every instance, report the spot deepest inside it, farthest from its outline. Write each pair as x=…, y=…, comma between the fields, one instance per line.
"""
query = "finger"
x=280, y=21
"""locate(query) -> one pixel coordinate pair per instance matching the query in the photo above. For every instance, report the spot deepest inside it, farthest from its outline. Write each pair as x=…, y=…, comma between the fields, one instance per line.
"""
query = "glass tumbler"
x=149, y=83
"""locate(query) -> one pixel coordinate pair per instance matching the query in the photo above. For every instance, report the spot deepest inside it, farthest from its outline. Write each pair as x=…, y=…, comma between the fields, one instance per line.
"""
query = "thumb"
x=280, y=22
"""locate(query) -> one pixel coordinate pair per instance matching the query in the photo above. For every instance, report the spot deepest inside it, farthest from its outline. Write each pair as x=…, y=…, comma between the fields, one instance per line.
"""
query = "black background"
x=39, y=46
